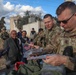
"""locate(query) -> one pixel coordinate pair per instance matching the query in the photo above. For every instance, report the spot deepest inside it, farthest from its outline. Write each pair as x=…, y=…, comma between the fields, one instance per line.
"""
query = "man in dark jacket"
x=13, y=47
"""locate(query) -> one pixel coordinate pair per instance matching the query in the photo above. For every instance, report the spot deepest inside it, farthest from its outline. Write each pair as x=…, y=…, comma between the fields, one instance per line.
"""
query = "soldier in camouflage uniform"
x=39, y=39
x=4, y=35
x=2, y=59
x=51, y=29
x=66, y=13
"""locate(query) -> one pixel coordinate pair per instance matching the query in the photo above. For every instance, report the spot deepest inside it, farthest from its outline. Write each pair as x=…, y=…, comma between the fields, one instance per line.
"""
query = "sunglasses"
x=65, y=21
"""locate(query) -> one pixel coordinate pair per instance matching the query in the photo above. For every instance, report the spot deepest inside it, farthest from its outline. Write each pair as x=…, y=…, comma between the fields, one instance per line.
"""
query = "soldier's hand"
x=37, y=47
x=34, y=54
x=55, y=59
x=33, y=46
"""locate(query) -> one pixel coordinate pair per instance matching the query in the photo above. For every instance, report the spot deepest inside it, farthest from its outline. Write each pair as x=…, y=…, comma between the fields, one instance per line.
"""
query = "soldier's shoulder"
x=1, y=40
x=1, y=43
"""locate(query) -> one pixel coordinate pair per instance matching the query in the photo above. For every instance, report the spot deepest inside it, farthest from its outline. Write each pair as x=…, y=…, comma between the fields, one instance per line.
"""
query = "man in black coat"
x=13, y=47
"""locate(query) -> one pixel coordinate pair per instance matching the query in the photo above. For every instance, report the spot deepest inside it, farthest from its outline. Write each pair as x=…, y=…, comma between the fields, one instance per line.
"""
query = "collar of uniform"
x=70, y=34
x=52, y=28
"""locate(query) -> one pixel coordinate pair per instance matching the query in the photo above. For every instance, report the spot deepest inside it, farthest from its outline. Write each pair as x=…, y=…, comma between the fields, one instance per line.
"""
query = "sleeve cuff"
x=69, y=64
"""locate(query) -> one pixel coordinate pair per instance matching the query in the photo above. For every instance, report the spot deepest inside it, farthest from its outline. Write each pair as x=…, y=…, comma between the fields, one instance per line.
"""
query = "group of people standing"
x=57, y=41
x=53, y=40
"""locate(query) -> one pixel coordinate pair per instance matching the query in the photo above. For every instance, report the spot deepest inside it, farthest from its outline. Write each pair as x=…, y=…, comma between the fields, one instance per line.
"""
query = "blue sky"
x=11, y=8
x=49, y=6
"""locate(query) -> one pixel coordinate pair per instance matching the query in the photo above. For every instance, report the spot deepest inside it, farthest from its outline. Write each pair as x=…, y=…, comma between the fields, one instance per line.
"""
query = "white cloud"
x=7, y=22
x=17, y=8
x=9, y=7
x=2, y=9
x=9, y=10
x=38, y=9
x=20, y=9
x=25, y=8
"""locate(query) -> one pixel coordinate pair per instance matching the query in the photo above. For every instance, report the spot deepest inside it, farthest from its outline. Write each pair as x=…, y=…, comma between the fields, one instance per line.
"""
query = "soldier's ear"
x=75, y=14
x=54, y=21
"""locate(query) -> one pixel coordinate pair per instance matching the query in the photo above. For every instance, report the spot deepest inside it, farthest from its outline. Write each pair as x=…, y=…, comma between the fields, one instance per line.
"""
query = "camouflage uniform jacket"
x=2, y=59
x=39, y=39
x=4, y=35
x=44, y=39
x=50, y=33
x=1, y=44
x=63, y=40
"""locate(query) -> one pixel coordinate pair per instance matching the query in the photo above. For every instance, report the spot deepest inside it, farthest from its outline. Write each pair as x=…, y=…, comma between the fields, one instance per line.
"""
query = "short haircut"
x=24, y=31
x=40, y=29
x=68, y=4
x=32, y=28
x=13, y=31
x=47, y=15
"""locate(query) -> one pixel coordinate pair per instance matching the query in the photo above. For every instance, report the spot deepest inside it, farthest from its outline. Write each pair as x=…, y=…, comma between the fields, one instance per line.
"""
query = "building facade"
x=36, y=25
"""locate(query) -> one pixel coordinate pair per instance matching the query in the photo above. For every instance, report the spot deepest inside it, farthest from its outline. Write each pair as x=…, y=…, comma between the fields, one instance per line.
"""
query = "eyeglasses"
x=65, y=21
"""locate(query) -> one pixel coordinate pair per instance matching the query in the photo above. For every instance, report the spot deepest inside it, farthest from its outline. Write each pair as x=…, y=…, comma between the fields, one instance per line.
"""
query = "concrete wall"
x=12, y=23
x=35, y=25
